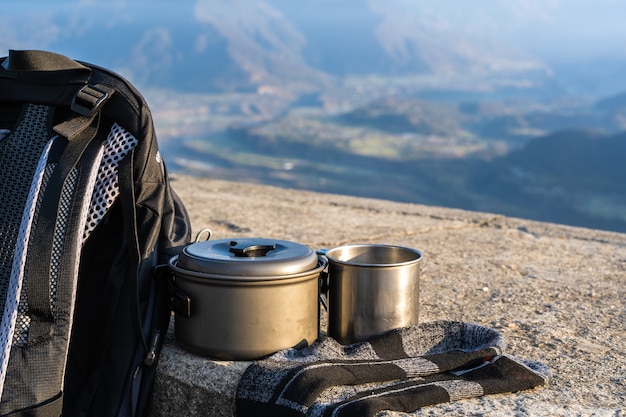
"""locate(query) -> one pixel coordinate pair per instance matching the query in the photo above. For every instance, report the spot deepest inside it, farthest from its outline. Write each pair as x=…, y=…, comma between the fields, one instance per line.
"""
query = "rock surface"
x=557, y=293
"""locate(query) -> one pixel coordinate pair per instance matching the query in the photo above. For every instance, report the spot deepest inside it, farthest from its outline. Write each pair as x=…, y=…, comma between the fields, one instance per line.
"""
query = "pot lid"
x=248, y=257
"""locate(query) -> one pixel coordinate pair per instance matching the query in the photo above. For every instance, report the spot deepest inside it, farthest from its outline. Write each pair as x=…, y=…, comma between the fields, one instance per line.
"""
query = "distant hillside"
x=406, y=116
x=615, y=103
x=429, y=153
x=573, y=177
x=586, y=158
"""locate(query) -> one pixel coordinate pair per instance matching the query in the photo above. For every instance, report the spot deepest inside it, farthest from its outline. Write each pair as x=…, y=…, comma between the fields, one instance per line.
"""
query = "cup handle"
x=324, y=289
x=323, y=281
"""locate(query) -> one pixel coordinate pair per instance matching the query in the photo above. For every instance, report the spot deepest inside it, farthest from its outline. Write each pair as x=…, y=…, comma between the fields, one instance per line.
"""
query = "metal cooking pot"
x=242, y=299
x=372, y=289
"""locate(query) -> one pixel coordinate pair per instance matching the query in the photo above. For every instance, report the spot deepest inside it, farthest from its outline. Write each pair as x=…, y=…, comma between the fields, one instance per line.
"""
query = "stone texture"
x=555, y=292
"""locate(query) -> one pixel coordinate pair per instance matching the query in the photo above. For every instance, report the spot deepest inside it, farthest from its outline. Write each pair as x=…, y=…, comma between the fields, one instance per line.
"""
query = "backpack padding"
x=38, y=289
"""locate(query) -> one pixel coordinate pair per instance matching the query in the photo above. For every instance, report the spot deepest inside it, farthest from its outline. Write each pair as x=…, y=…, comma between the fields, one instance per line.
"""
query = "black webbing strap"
x=79, y=132
x=127, y=198
x=87, y=102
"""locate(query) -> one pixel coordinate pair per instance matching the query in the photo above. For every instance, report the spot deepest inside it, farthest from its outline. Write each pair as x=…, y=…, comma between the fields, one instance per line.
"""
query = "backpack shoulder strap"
x=33, y=60
x=80, y=140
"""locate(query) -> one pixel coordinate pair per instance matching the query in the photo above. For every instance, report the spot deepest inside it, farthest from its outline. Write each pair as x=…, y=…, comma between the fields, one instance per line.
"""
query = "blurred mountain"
x=615, y=104
x=512, y=107
x=397, y=115
x=573, y=177
x=508, y=158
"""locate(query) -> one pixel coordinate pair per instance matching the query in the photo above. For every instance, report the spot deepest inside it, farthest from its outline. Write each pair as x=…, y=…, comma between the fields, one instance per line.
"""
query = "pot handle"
x=179, y=302
x=206, y=231
x=322, y=251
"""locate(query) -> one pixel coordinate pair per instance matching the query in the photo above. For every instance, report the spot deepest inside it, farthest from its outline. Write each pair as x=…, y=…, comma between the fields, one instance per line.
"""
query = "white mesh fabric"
x=119, y=144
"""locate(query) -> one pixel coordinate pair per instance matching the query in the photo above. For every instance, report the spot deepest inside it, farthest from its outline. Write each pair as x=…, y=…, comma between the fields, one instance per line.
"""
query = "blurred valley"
x=507, y=108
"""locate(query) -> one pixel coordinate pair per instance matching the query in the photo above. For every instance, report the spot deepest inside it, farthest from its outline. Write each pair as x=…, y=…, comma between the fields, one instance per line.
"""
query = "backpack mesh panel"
x=20, y=158
x=106, y=189
x=19, y=155
x=23, y=156
x=59, y=233
x=119, y=144
x=20, y=336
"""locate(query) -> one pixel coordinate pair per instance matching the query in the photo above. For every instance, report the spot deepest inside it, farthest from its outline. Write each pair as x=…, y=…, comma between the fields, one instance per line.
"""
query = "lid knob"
x=250, y=250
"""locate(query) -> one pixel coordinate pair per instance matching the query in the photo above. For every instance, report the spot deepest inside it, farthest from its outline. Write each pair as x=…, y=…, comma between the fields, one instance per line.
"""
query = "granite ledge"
x=555, y=292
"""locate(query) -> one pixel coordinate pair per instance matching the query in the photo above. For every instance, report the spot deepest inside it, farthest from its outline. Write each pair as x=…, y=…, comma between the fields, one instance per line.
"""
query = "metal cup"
x=372, y=289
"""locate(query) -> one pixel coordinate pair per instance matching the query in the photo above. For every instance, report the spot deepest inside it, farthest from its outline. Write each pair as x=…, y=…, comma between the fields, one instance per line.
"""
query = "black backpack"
x=87, y=220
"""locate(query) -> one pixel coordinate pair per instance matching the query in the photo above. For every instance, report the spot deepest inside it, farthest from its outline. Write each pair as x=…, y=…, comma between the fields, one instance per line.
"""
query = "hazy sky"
x=554, y=32
x=568, y=28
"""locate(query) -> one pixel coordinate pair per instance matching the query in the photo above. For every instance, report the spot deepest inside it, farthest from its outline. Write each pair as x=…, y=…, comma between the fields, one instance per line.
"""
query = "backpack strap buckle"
x=89, y=98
